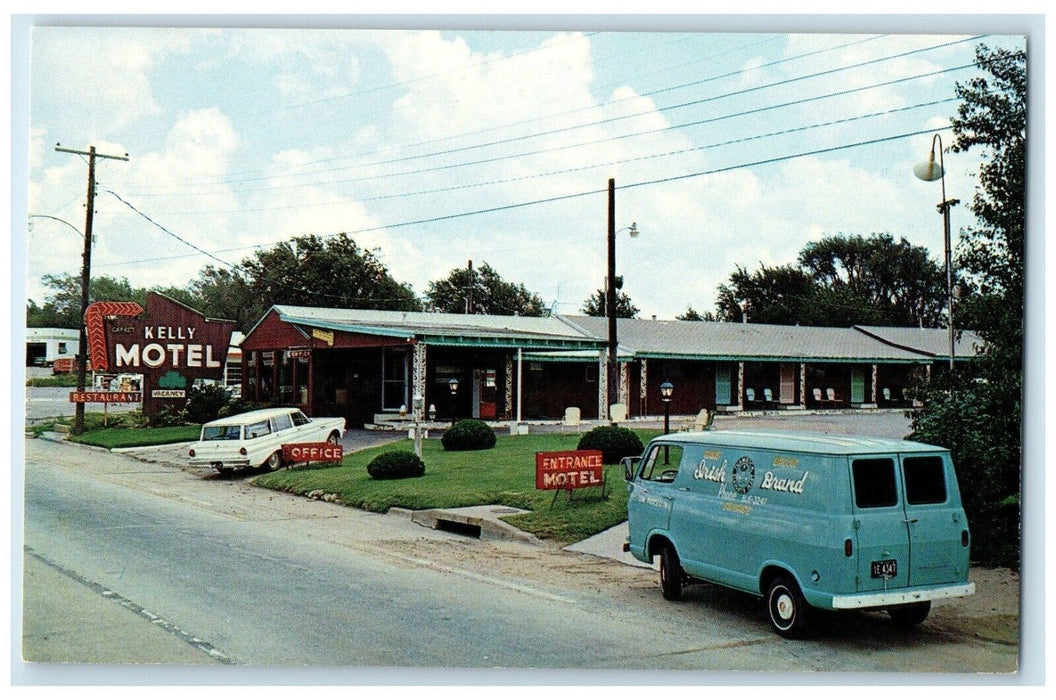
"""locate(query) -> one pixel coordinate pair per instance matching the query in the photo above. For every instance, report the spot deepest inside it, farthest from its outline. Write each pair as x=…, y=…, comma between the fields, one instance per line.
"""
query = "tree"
x=692, y=314
x=841, y=281
x=62, y=306
x=979, y=417
x=595, y=305
x=485, y=289
x=223, y=293
x=331, y=272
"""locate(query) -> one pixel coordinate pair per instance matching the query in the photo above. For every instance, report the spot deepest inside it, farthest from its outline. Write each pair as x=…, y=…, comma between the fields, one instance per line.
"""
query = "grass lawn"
x=137, y=437
x=67, y=380
x=503, y=475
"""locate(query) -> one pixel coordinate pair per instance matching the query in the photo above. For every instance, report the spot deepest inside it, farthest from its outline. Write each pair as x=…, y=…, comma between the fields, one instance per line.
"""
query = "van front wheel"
x=670, y=573
x=788, y=610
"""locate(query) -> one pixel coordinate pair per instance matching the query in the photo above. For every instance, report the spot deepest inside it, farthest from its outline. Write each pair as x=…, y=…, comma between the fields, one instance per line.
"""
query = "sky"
x=435, y=146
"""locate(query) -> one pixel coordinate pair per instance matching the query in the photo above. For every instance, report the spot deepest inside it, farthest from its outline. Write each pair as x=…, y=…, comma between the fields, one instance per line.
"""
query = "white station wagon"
x=255, y=439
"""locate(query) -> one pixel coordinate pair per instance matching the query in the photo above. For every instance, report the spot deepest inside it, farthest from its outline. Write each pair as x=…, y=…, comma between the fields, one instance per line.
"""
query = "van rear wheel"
x=788, y=609
x=909, y=616
x=671, y=574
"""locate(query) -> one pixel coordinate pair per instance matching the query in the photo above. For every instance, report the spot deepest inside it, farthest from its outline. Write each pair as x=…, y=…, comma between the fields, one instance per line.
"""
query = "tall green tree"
x=841, y=281
x=595, y=305
x=327, y=272
x=979, y=417
x=226, y=293
x=485, y=290
x=62, y=305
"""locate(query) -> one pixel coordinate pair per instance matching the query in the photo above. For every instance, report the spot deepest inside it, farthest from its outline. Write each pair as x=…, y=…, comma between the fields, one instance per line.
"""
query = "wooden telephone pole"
x=86, y=276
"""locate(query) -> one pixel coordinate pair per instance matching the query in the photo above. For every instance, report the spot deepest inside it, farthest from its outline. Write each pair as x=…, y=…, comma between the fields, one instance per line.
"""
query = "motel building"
x=367, y=365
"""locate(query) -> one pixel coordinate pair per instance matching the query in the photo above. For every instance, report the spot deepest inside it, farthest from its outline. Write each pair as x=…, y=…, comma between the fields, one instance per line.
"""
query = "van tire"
x=907, y=617
x=671, y=574
x=786, y=607
x=274, y=462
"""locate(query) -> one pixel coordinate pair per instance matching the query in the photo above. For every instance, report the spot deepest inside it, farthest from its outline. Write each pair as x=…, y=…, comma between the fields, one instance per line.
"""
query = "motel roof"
x=537, y=333
x=696, y=340
x=581, y=337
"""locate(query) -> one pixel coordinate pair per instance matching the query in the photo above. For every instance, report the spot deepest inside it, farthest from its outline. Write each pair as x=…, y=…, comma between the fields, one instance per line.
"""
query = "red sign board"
x=568, y=470
x=105, y=397
x=312, y=452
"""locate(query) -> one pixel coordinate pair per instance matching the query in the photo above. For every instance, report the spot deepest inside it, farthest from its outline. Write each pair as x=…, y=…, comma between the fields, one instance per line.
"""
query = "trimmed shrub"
x=396, y=465
x=166, y=417
x=469, y=434
x=614, y=442
x=204, y=403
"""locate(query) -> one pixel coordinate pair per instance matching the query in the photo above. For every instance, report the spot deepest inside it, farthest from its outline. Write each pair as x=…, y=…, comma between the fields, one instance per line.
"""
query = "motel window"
x=62, y=348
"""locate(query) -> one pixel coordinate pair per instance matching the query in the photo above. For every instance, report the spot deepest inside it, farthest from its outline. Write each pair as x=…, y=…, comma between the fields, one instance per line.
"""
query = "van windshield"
x=221, y=432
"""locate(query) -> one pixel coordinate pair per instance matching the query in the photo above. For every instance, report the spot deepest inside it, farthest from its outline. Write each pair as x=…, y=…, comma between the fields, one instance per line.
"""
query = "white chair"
x=572, y=418
x=618, y=412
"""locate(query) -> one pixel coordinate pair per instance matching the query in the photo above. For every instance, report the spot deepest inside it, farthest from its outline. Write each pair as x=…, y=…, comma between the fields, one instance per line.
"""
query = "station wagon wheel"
x=671, y=574
x=909, y=616
x=274, y=462
x=788, y=610
x=333, y=439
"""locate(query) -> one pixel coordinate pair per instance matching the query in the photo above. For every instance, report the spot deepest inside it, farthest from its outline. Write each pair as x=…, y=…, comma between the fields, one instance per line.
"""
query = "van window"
x=662, y=463
x=925, y=480
x=254, y=430
x=283, y=422
x=874, y=483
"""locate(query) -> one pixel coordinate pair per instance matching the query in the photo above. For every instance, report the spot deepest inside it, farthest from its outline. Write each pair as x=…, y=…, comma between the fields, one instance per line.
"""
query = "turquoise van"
x=806, y=521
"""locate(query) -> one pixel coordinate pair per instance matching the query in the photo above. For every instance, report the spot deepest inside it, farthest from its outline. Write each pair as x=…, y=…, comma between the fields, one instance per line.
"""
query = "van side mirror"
x=630, y=466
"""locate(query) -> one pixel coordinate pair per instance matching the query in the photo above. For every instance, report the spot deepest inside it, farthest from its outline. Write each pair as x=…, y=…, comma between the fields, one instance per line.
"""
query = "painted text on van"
x=772, y=483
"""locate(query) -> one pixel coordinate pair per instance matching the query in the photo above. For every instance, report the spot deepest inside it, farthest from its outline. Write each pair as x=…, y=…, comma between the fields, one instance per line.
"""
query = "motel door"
x=722, y=385
x=857, y=385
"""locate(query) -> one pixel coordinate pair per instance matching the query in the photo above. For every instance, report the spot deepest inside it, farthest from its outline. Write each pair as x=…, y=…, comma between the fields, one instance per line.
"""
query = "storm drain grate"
x=458, y=528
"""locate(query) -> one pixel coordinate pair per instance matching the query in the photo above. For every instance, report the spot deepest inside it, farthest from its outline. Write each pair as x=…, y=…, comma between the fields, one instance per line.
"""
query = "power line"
x=610, y=120
x=577, y=195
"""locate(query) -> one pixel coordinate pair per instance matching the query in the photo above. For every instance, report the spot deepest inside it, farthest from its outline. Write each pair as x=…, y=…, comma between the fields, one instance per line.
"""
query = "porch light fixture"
x=453, y=385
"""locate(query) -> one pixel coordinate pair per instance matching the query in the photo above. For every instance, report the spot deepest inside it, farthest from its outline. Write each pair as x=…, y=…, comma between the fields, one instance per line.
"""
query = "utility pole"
x=612, y=368
x=86, y=276
x=469, y=289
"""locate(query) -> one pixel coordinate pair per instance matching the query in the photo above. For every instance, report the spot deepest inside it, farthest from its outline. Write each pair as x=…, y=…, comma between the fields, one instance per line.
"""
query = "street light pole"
x=929, y=171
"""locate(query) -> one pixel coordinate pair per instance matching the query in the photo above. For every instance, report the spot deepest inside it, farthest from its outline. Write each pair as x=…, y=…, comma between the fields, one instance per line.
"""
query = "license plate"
x=886, y=568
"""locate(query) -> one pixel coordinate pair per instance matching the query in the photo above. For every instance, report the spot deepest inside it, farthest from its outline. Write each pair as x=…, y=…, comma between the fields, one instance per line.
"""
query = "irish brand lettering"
x=773, y=483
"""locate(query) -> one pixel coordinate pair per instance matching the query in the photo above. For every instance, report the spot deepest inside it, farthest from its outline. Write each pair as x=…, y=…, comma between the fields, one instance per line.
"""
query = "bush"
x=614, y=442
x=205, y=403
x=166, y=418
x=396, y=465
x=469, y=434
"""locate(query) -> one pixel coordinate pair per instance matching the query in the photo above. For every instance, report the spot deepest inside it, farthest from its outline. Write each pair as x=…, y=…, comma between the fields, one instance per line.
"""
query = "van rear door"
x=883, y=551
x=935, y=520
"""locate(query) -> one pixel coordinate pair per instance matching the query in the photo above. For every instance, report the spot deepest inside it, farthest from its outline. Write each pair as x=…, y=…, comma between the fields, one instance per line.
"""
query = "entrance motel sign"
x=170, y=344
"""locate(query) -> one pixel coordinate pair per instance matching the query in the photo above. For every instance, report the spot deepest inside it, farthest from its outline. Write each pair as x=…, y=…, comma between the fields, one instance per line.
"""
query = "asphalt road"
x=129, y=562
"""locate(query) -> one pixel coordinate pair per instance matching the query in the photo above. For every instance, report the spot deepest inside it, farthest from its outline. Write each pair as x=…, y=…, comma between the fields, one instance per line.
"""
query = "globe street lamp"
x=929, y=171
